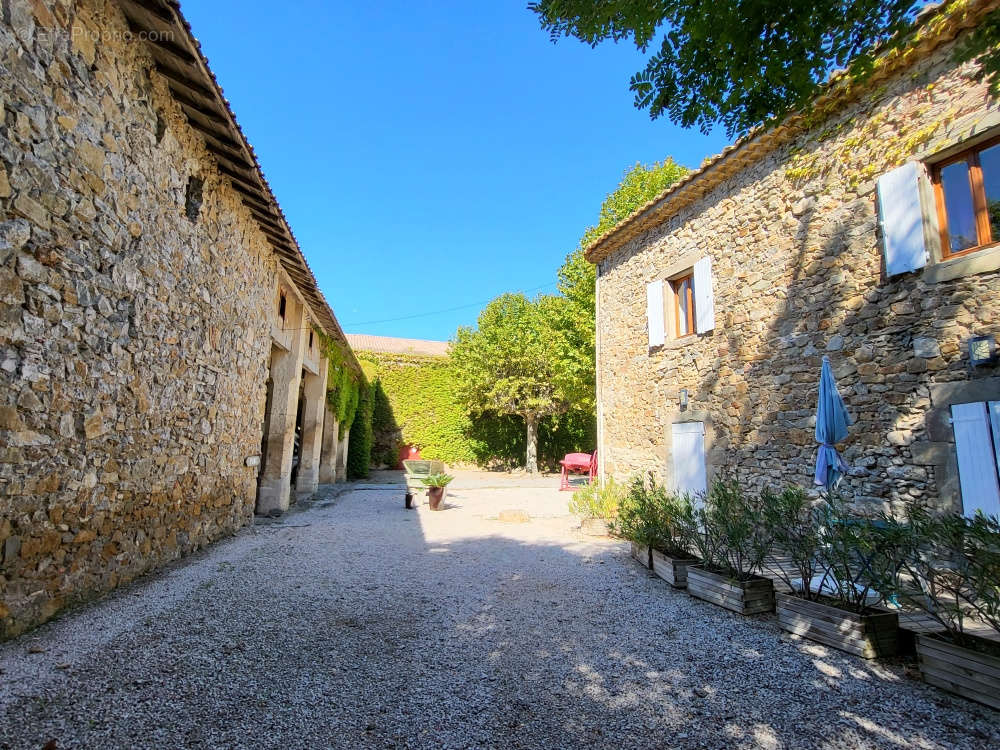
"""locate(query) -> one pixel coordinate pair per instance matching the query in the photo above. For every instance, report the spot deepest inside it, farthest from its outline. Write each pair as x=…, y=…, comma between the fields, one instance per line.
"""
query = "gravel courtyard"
x=356, y=623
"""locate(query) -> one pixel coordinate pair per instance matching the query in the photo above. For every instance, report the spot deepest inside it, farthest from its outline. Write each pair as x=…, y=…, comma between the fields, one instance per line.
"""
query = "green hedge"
x=414, y=400
x=359, y=444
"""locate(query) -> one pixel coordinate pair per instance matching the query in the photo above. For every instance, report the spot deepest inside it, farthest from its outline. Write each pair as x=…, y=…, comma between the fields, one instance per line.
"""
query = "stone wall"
x=136, y=299
x=798, y=274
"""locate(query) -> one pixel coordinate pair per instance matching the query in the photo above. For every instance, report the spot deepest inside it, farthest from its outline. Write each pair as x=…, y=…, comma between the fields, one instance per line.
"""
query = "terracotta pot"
x=435, y=495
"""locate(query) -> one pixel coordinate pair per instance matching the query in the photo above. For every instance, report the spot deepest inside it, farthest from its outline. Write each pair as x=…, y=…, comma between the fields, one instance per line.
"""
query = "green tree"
x=510, y=364
x=640, y=184
x=742, y=64
x=575, y=318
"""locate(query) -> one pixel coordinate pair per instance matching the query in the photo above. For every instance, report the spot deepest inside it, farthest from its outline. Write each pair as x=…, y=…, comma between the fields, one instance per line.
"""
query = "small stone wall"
x=136, y=298
x=798, y=274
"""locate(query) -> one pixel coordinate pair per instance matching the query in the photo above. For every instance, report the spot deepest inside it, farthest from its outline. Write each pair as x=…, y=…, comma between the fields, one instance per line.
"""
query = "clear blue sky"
x=430, y=154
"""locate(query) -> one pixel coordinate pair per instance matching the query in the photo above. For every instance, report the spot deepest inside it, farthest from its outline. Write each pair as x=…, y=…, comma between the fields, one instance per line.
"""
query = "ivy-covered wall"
x=414, y=403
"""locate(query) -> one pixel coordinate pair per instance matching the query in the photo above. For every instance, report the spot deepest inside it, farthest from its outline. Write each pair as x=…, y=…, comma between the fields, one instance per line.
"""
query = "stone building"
x=161, y=373
x=865, y=230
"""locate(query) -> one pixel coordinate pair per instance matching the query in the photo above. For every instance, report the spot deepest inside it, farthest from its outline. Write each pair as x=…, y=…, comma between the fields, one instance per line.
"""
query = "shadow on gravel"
x=363, y=625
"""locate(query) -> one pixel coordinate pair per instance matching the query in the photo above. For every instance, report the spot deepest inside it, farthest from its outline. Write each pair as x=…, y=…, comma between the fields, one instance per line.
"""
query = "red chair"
x=580, y=463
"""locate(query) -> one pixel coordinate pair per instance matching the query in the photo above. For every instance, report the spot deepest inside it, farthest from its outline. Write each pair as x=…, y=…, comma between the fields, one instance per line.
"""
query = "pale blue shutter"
x=993, y=409
x=902, y=219
x=977, y=462
x=655, y=313
x=688, y=452
x=704, y=296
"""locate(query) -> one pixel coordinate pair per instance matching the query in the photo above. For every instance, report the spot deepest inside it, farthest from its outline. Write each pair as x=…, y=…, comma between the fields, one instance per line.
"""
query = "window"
x=691, y=308
x=967, y=187
x=281, y=305
x=977, y=445
x=683, y=288
x=310, y=339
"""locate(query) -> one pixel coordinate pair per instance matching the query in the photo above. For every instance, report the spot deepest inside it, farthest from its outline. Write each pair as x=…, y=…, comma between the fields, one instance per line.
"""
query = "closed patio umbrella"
x=832, y=421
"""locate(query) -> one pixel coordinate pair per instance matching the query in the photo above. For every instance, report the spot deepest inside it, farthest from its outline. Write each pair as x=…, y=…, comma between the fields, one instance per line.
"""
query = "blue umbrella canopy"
x=832, y=421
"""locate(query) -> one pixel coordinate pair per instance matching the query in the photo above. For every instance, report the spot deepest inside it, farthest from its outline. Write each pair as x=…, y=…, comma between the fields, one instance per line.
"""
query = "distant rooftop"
x=362, y=342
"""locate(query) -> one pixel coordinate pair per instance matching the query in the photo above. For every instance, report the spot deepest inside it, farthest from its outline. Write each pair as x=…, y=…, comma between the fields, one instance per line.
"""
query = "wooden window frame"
x=675, y=287
x=979, y=205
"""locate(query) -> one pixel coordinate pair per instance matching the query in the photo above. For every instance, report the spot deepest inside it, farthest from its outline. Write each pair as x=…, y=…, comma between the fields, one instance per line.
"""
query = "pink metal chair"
x=579, y=463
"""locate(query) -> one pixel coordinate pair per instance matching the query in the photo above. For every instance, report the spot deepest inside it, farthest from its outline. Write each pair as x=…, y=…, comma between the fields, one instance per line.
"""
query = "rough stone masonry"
x=137, y=300
x=793, y=236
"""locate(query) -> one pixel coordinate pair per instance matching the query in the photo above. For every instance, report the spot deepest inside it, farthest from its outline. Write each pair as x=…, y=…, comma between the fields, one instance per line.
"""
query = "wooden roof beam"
x=183, y=81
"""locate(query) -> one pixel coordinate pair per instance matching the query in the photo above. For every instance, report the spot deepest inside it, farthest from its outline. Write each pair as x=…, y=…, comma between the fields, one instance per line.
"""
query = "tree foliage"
x=742, y=64
x=640, y=184
x=511, y=363
x=575, y=316
x=359, y=444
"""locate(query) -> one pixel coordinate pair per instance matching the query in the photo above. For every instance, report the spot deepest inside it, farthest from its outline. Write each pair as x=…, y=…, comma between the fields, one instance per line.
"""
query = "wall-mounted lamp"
x=684, y=398
x=982, y=351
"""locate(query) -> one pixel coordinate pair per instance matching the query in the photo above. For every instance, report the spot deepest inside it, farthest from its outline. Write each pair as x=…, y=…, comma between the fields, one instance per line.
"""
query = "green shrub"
x=652, y=516
x=597, y=499
x=949, y=566
x=859, y=555
x=727, y=532
x=793, y=520
x=437, y=480
x=359, y=444
x=421, y=406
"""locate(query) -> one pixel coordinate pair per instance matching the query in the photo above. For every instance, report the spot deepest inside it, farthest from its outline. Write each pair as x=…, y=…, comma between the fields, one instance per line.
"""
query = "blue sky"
x=430, y=154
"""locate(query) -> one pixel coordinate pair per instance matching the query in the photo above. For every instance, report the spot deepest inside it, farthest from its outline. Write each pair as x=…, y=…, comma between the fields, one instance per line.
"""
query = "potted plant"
x=950, y=568
x=596, y=503
x=435, y=484
x=833, y=560
x=636, y=521
x=669, y=514
x=732, y=544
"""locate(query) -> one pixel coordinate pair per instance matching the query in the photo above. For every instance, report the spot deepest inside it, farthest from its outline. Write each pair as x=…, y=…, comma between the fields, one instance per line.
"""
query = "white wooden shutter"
x=993, y=412
x=655, y=313
x=902, y=219
x=977, y=467
x=688, y=451
x=704, y=296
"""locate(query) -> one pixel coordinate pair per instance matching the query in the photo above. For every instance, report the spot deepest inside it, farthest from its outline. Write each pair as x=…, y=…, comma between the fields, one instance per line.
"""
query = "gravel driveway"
x=358, y=624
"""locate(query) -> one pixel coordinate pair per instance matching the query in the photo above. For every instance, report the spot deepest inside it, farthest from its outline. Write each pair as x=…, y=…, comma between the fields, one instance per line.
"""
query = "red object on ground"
x=580, y=463
x=406, y=453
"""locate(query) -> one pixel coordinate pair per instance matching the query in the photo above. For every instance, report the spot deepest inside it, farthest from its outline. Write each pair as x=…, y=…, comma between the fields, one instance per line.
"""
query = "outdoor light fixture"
x=684, y=398
x=982, y=351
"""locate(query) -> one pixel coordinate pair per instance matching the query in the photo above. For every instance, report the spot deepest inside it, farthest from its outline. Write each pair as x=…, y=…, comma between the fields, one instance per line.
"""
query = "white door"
x=688, y=444
x=977, y=459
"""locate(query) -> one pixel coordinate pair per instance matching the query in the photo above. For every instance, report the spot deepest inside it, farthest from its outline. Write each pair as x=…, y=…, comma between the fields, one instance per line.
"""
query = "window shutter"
x=655, y=313
x=993, y=409
x=977, y=468
x=902, y=219
x=704, y=296
x=688, y=451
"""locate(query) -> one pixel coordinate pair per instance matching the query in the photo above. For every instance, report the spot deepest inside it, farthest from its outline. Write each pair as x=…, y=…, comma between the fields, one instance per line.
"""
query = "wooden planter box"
x=641, y=553
x=971, y=674
x=867, y=636
x=745, y=597
x=673, y=570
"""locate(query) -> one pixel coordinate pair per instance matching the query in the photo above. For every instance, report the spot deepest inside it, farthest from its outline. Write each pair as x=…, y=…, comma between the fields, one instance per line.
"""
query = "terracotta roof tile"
x=362, y=342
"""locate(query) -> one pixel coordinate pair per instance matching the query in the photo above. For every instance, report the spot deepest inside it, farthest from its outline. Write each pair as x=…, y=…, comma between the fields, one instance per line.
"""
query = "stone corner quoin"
x=156, y=352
